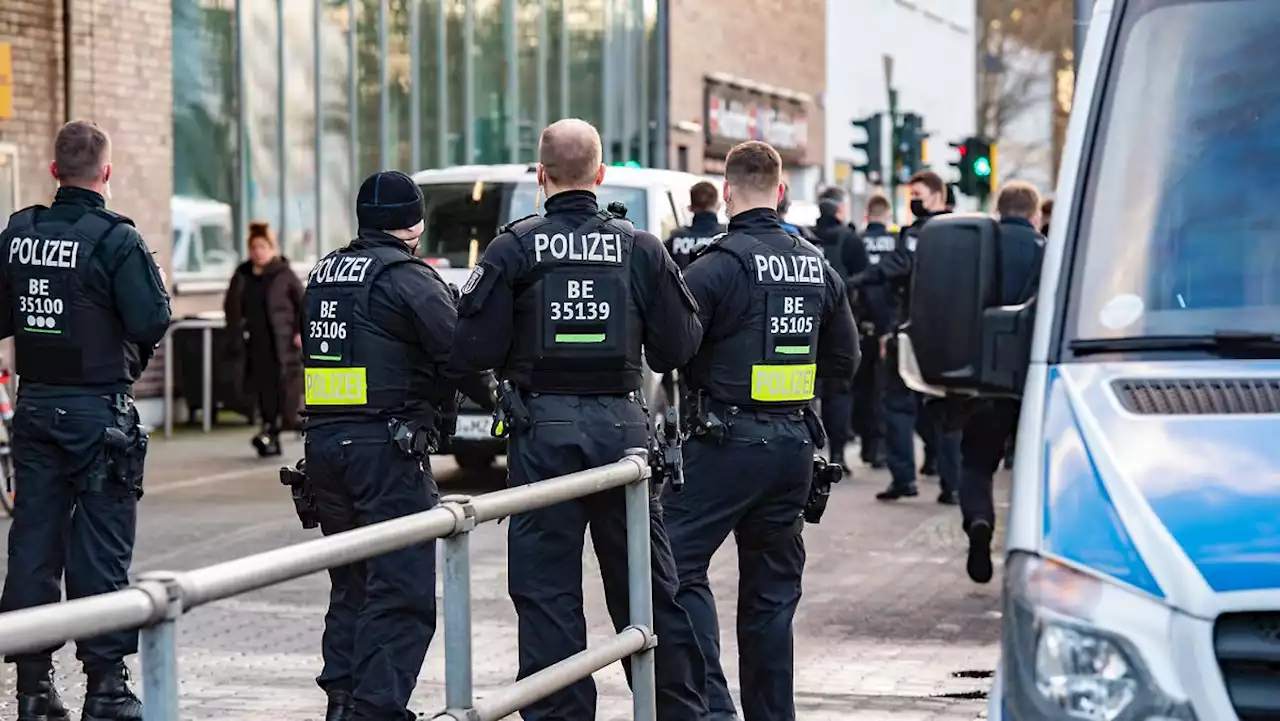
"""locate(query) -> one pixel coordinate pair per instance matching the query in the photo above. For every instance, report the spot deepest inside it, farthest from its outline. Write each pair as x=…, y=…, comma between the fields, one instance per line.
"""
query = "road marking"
x=205, y=480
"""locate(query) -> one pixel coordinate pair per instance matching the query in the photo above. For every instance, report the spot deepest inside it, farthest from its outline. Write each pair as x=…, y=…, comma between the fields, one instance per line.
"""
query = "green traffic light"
x=982, y=167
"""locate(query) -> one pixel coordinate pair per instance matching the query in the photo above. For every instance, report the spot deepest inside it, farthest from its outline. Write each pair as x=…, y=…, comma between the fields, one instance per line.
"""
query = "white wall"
x=932, y=45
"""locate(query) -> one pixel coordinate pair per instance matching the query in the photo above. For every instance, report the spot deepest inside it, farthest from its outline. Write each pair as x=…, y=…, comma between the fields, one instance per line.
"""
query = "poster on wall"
x=735, y=114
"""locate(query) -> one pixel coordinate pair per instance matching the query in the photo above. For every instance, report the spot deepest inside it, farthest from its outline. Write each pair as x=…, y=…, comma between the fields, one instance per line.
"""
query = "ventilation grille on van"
x=1199, y=396
x=1248, y=649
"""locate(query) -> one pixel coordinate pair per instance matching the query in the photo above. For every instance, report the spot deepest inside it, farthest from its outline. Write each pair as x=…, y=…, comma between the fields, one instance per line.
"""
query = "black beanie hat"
x=389, y=200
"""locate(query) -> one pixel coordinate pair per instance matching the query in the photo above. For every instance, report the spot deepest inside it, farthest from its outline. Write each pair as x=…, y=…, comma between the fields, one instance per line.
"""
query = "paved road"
x=890, y=628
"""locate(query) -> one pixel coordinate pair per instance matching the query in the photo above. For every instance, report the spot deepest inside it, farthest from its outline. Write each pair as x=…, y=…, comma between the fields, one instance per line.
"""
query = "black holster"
x=126, y=444
x=304, y=497
x=412, y=438
x=511, y=414
x=824, y=476
x=704, y=423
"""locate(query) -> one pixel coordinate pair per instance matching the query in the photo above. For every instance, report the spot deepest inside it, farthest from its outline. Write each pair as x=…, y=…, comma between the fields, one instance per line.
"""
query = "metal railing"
x=206, y=325
x=158, y=600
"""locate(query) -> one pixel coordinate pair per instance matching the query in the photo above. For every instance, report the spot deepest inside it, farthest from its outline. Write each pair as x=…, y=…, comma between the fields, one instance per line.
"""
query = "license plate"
x=474, y=428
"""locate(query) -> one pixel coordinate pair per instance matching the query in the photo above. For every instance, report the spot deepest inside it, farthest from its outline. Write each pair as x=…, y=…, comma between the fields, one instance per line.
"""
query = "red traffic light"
x=964, y=150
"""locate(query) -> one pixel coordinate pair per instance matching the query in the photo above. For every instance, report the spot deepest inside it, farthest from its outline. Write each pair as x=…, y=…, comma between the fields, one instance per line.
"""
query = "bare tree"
x=1021, y=49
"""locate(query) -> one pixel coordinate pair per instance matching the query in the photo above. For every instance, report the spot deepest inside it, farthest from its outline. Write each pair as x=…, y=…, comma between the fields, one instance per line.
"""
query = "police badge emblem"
x=473, y=280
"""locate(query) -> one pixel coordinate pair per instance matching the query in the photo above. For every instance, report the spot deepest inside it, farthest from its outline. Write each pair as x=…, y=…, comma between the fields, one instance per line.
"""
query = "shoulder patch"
x=473, y=280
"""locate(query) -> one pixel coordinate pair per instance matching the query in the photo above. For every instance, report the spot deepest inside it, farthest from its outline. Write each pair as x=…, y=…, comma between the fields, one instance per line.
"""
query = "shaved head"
x=570, y=154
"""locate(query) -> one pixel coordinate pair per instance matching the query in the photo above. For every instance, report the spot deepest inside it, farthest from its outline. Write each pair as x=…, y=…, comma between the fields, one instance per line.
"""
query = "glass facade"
x=281, y=107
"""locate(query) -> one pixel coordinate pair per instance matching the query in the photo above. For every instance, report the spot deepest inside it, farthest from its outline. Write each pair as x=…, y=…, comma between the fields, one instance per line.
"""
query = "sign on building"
x=735, y=114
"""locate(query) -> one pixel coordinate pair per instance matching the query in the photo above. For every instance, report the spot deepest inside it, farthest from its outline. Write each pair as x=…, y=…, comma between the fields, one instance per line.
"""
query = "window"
x=636, y=200
x=682, y=158
x=1179, y=231
x=460, y=221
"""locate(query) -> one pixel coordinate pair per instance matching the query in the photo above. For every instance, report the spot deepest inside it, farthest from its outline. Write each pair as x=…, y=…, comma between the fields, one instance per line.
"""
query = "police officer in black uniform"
x=704, y=202
x=377, y=332
x=903, y=406
x=560, y=305
x=777, y=318
x=839, y=243
x=992, y=422
x=871, y=308
x=86, y=306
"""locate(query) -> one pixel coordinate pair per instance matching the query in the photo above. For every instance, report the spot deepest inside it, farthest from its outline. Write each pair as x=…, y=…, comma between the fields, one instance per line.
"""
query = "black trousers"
x=382, y=612
x=987, y=430
x=544, y=547
x=868, y=400
x=72, y=516
x=753, y=485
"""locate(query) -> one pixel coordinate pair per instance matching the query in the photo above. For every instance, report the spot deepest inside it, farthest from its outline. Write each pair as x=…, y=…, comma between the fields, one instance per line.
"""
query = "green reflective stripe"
x=46, y=331
x=326, y=357
x=580, y=337
x=792, y=350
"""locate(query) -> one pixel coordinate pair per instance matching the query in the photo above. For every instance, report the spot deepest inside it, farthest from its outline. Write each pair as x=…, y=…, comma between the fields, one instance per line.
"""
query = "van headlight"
x=1076, y=647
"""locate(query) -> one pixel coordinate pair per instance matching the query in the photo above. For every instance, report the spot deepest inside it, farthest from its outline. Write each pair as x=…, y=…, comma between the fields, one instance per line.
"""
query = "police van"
x=466, y=206
x=1142, y=556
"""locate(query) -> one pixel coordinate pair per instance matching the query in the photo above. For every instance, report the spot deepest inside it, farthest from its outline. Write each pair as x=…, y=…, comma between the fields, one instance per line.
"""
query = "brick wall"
x=773, y=42
x=122, y=81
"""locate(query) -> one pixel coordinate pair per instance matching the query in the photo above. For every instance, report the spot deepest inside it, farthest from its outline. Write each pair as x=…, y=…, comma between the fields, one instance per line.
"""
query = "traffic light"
x=909, y=150
x=873, y=168
x=976, y=163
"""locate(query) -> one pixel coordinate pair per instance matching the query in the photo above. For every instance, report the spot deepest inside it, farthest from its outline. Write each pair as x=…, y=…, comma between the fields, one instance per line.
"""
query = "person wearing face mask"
x=902, y=405
x=86, y=306
x=564, y=323
x=264, y=303
x=376, y=334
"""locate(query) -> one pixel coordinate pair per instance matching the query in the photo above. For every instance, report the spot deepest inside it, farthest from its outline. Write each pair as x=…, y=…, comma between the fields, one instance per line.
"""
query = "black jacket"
x=487, y=308
x=841, y=247
x=1021, y=254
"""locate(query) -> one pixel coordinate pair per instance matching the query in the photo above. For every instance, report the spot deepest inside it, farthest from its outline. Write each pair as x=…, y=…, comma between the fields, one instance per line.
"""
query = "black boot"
x=38, y=698
x=267, y=442
x=107, y=697
x=341, y=706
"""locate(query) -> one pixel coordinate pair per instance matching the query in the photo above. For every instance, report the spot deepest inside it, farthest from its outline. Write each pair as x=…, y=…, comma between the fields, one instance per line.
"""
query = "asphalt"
x=889, y=628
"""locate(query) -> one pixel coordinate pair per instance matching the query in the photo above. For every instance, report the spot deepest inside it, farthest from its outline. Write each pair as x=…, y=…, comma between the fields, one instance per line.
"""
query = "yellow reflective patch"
x=781, y=383
x=337, y=387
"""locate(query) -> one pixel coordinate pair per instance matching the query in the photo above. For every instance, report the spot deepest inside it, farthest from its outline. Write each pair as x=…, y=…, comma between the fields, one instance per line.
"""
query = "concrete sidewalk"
x=889, y=629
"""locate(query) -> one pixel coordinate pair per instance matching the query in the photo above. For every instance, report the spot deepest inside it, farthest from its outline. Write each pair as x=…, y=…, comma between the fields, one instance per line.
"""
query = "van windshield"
x=461, y=218
x=1180, y=233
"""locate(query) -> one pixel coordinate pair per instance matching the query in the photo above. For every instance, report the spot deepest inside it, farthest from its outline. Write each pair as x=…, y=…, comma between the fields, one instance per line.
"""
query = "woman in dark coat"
x=264, y=303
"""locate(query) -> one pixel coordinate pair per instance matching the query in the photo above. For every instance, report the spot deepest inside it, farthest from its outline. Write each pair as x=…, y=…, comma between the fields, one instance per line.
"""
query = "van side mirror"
x=964, y=342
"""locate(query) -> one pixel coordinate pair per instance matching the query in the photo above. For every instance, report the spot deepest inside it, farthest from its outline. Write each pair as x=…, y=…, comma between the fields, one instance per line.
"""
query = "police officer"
x=684, y=244
x=871, y=308
x=704, y=202
x=991, y=422
x=784, y=205
x=86, y=306
x=847, y=257
x=904, y=406
x=376, y=336
x=560, y=305
x=776, y=318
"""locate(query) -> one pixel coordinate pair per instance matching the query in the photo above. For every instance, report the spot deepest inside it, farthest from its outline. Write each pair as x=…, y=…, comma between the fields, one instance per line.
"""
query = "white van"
x=204, y=244
x=465, y=207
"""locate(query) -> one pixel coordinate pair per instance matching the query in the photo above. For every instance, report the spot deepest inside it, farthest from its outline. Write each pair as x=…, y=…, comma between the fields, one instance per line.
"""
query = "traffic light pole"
x=893, y=140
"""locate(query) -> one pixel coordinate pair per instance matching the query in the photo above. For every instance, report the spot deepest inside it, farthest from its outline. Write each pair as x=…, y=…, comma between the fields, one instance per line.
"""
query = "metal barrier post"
x=456, y=549
x=640, y=590
x=159, y=645
x=168, y=383
x=206, y=376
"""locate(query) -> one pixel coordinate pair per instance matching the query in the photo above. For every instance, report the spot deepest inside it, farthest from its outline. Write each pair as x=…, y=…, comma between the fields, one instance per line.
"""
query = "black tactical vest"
x=770, y=361
x=61, y=336
x=353, y=367
x=686, y=244
x=577, y=326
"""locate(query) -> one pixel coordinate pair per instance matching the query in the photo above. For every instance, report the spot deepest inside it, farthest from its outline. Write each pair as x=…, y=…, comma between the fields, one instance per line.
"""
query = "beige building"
x=748, y=70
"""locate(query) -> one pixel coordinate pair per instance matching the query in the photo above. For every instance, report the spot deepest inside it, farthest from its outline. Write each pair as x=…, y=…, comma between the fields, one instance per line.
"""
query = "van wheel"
x=475, y=460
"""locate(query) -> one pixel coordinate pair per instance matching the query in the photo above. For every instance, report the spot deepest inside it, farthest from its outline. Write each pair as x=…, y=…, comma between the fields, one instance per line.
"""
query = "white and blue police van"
x=467, y=205
x=1142, y=555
